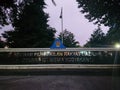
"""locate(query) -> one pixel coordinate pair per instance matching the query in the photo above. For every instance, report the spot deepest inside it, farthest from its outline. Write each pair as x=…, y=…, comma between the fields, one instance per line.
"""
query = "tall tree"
x=30, y=27
x=10, y=9
x=68, y=39
x=97, y=39
x=106, y=12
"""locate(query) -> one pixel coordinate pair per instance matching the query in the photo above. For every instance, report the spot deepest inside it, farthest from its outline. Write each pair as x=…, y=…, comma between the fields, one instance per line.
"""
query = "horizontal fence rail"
x=48, y=49
x=59, y=66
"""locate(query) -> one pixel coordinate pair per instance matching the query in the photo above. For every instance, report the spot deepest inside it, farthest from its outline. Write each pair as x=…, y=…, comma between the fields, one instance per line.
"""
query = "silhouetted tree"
x=97, y=39
x=68, y=39
x=113, y=36
x=10, y=9
x=105, y=12
x=30, y=27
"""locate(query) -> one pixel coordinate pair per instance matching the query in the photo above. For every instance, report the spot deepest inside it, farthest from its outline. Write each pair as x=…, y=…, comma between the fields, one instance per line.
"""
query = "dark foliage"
x=2, y=43
x=30, y=27
x=97, y=39
x=68, y=39
x=105, y=12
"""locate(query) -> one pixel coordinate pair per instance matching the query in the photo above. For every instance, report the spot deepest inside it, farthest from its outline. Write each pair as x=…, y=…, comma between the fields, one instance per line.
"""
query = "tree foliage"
x=106, y=12
x=97, y=39
x=4, y=6
x=30, y=27
x=68, y=39
x=10, y=9
x=113, y=36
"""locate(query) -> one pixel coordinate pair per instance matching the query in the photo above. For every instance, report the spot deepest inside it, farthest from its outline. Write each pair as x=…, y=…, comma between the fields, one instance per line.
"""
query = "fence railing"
x=60, y=56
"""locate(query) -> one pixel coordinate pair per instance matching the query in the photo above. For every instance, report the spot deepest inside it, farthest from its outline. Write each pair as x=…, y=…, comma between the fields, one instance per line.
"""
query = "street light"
x=117, y=46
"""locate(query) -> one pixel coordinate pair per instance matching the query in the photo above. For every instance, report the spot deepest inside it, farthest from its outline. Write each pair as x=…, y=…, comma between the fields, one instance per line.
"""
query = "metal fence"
x=59, y=56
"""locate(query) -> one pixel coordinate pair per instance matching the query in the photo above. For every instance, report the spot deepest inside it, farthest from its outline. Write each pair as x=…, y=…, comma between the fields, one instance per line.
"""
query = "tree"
x=113, y=36
x=4, y=5
x=10, y=9
x=98, y=39
x=30, y=27
x=68, y=39
x=105, y=12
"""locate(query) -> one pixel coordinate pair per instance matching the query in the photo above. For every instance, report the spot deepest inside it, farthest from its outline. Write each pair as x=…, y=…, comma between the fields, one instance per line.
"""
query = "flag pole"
x=62, y=22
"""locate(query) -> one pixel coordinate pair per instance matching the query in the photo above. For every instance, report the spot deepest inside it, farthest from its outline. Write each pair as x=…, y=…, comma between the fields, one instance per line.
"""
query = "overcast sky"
x=74, y=21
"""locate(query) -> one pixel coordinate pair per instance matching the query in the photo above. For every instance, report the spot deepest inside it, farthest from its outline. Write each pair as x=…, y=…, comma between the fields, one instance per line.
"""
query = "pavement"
x=59, y=82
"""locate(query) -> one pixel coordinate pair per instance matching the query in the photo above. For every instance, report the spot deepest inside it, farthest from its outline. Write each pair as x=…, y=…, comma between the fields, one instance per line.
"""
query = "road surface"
x=59, y=82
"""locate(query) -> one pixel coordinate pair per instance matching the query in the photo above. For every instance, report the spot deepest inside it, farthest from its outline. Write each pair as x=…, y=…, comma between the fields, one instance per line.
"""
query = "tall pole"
x=61, y=16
